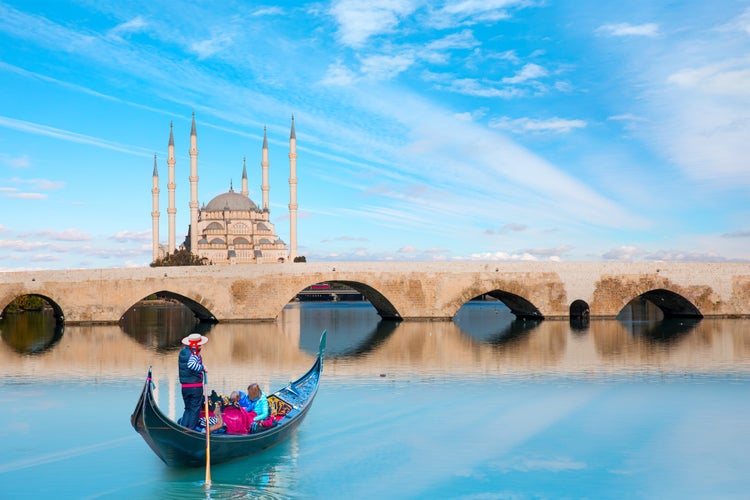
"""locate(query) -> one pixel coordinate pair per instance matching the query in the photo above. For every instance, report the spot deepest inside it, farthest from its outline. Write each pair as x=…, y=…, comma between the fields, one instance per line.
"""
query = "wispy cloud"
x=22, y=161
x=210, y=46
x=66, y=135
x=524, y=125
x=358, y=20
x=134, y=25
x=507, y=228
x=737, y=234
x=625, y=29
x=65, y=235
x=530, y=71
x=383, y=67
x=125, y=236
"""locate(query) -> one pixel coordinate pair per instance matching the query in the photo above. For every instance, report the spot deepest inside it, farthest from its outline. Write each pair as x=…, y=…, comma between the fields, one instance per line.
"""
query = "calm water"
x=481, y=408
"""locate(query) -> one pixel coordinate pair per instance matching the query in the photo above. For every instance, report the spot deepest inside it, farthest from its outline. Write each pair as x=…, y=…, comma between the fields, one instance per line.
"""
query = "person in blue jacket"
x=255, y=402
x=190, y=365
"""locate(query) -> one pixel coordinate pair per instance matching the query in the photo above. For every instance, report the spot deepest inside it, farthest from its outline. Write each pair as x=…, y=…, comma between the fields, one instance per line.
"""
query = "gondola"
x=179, y=446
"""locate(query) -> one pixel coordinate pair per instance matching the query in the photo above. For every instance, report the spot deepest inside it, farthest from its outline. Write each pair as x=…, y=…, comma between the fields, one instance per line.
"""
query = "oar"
x=208, y=432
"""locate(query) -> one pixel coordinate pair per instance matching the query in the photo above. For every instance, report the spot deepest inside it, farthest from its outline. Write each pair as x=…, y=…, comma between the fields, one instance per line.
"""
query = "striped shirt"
x=195, y=362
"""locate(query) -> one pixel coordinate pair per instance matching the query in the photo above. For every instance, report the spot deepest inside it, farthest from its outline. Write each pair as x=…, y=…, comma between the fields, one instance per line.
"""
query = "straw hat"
x=195, y=339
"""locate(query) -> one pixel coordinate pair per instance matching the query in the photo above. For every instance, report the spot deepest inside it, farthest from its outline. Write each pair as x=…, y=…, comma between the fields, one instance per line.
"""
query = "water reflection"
x=667, y=330
x=354, y=329
x=269, y=475
x=481, y=340
x=493, y=323
x=161, y=325
x=31, y=332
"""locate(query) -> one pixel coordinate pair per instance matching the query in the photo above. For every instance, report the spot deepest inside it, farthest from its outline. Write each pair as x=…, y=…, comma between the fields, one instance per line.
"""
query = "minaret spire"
x=155, y=212
x=193, y=188
x=245, y=191
x=171, y=209
x=292, y=194
x=264, y=166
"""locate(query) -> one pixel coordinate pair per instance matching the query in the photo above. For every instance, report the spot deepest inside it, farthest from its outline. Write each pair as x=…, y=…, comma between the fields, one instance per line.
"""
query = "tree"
x=180, y=257
x=300, y=258
x=26, y=303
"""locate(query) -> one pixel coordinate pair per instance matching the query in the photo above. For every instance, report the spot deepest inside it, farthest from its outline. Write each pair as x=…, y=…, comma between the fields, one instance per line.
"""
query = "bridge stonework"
x=400, y=290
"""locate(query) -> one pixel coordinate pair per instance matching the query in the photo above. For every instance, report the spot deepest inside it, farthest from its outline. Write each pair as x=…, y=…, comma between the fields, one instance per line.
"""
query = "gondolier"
x=190, y=364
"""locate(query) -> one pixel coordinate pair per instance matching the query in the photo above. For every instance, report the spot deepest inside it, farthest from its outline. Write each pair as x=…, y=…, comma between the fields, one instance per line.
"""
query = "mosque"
x=231, y=228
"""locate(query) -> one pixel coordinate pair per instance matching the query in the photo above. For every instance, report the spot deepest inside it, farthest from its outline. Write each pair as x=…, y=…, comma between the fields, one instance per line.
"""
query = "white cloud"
x=625, y=29
x=269, y=11
x=65, y=135
x=530, y=71
x=407, y=249
x=626, y=117
x=473, y=87
x=359, y=20
x=728, y=78
x=206, y=48
x=125, y=236
x=22, y=161
x=338, y=75
x=28, y=196
x=133, y=26
x=382, y=67
x=623, y=253
x=23, y=245
x=66, y=235
x=466, y=12
x=499, y=256
x=523, y=125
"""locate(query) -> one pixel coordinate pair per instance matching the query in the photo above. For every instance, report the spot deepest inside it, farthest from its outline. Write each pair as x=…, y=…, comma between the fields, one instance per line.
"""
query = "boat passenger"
x=190, y=364
x=215, y=421
x=259, y=411
x=236, y=419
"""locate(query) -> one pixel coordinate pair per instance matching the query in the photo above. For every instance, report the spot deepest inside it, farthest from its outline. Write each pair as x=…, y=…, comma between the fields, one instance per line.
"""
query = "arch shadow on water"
x=353, y=329
x=492, y=323
x=665, y=331
x=161, y=325
x=32, y=332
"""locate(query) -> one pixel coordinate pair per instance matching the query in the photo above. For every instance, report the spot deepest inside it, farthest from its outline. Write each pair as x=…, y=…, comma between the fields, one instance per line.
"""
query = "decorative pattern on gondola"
x=278, y=406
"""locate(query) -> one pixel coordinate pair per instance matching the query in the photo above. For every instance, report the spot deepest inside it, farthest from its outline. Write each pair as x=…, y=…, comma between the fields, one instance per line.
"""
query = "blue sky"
x=444, y=130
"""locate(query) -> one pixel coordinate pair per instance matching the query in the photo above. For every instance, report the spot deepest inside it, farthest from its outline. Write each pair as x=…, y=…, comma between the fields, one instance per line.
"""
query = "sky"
x=466, y=130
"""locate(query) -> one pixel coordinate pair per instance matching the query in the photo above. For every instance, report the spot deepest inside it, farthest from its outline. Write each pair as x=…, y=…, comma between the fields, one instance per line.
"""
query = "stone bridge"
x=398, y=290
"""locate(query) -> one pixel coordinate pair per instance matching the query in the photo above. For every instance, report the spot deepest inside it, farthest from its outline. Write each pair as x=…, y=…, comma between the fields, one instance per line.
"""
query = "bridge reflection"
x=362, y=345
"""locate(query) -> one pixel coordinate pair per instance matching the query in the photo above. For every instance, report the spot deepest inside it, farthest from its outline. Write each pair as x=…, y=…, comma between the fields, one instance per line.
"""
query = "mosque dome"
x=230, y=201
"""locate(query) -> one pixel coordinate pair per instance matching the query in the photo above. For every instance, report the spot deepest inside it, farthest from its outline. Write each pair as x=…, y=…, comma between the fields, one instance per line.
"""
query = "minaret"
x=245, y=191
x=155, y=212
x=193, y=188
x=292, y=194
x=264, y=165
x=171, y=210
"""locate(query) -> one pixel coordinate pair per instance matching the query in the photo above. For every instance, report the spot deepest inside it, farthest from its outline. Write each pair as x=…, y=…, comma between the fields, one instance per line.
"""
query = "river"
x=482, y=407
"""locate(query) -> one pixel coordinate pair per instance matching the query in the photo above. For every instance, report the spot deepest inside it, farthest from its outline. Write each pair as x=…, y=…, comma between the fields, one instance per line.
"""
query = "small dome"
x=231, y=201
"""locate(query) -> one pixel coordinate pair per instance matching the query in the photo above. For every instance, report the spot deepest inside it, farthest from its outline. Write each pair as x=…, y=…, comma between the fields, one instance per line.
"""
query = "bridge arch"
x=671, y=304
x=521, y=307
x=380, y=302
x=56, y=308
x=203, y=314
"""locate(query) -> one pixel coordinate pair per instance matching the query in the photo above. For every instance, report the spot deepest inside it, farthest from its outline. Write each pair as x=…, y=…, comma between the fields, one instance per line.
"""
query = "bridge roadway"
x=398, y=290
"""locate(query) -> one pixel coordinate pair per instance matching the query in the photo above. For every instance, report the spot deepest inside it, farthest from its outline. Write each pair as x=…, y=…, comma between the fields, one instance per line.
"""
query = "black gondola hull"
x=178, y=446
